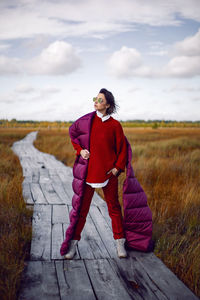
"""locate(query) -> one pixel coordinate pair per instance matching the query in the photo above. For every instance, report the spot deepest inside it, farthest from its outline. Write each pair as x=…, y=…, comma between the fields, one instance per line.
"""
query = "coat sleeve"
x=121, y=149
x=77, y=147
x=74, y=134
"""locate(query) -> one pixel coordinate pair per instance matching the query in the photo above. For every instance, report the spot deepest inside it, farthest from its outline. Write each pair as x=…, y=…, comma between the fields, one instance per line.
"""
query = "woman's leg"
x=114, y=208
x=85, y=205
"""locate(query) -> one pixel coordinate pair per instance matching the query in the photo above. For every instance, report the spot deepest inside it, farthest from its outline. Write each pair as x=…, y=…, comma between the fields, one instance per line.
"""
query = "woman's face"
x=101, y=107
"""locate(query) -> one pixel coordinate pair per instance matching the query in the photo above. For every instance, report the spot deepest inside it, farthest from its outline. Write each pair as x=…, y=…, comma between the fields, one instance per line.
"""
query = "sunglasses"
x=100, y=100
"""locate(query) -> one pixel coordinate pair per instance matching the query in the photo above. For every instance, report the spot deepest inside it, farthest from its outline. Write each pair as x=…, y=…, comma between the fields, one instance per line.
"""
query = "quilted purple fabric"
x=137, y=219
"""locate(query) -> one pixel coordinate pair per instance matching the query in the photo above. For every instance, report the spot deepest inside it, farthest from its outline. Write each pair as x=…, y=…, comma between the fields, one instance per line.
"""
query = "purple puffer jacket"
x=137, y=221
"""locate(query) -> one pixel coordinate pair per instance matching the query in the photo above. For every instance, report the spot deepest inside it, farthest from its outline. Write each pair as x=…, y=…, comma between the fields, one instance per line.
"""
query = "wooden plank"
x=123, y=264
x=57, y=239
x=65, y=177
x=77, y=254
x=39, y=162
x=37, y=193
x=104, y=230
x=35, y=175
x=110, y=244
x=91, y=245
x=73, y=280
x=28, y=159
x=103, y=207
x=26, y=192
x=28, y=178
x=165, y=279
x=46, y=158
x=54, y=176
x=39, y=281
x=25, y=161
x=44, y=175
x=41, y=227
x=27, y=173
x=136, y=280
x=58, y=187
x=104, y=211
x=68, y=189
x=52, y=172
x=65, y=174
x=50, y=194
x=50, y=161
x=105, y=283
x=60, y=214
x=97, y=200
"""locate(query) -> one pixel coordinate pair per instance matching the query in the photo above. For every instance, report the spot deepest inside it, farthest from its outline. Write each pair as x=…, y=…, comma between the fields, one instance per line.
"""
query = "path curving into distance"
x=96, y=272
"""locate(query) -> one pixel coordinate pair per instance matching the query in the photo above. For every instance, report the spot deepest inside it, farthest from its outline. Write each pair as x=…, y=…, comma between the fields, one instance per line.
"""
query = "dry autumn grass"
x=15, y=218
x=166, y=162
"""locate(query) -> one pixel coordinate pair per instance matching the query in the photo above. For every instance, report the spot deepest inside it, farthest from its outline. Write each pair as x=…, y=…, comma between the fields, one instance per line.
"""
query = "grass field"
x=15, y=218
x=166, y=162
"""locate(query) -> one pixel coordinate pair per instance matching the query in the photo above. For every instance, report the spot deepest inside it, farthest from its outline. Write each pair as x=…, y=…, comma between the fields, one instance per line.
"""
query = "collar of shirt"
x=103, y=118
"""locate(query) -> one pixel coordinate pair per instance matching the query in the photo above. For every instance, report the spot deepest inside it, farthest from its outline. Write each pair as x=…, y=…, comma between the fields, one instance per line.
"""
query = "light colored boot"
x=72, y=249
x=121, y=251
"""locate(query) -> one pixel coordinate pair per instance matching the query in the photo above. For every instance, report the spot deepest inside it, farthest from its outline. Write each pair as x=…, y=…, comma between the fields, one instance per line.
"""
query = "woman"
x=103, y=152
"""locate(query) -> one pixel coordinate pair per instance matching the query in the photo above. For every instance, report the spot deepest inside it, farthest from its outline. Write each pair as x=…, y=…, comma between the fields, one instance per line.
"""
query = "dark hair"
x=110, y=100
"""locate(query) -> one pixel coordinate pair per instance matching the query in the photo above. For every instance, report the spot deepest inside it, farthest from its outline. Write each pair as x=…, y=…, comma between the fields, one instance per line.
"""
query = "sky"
x=56, y=55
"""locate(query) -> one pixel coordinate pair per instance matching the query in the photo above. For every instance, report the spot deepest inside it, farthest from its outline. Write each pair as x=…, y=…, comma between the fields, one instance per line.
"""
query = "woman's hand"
x=85, y=154
x=114, y=171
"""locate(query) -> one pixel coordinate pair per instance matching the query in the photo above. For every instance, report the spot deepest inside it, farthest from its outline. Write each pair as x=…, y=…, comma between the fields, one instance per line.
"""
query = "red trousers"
x=114, y=208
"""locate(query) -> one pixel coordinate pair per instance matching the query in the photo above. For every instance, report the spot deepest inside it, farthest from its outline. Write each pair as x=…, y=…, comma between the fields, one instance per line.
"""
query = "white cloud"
x=9, y=65
x=28, y=89
x=24, y=89
x=157, y=48
x=183, y=88
x=158, y=53
x=4, y=47
x=90, y=17
x=186, y=62
x=190, y=46
x=196, y=99
x=26, y=93
x=59, y=58
x=183, y=66
x=37, y=42
x=96, y=48
x=50, y=90
x=134, y=89
x=127, y=62
x=8, y=98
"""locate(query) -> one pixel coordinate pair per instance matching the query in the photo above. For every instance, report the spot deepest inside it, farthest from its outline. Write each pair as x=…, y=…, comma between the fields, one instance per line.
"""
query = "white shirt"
x=103, y=118
x=101, y=184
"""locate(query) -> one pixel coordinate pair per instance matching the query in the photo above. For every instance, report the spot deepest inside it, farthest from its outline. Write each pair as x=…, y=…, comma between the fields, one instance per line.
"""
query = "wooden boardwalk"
x=96, y=272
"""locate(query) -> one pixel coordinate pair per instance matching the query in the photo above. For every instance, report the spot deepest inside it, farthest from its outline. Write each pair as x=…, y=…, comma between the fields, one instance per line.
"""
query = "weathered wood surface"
x=96, y=272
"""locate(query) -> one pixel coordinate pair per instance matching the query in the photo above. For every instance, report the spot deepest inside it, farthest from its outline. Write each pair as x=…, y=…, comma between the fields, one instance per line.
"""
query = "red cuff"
x=78, y=151
x=77, y=147
x=119, y=169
